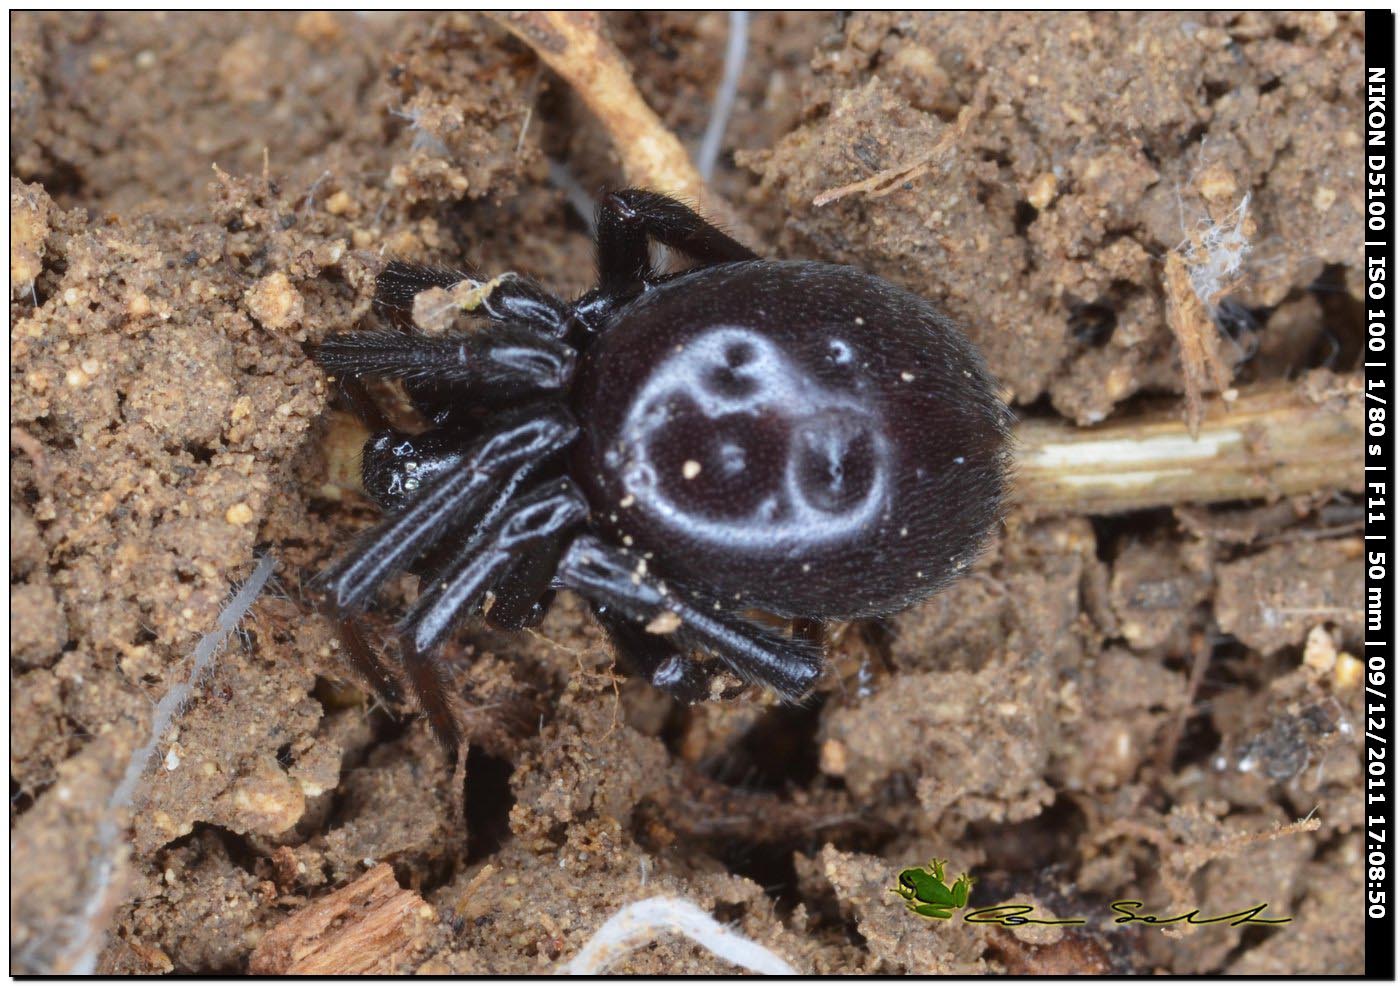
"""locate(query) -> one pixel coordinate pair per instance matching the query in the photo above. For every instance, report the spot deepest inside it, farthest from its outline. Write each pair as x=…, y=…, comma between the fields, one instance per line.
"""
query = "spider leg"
x=617, y=579
x=448, y=503
x=627, y=218
x=432, y=690
x=364, y=660
x=395, y=464
x=399, y=283
x=362, y=404
x=428, y=680
x=508, y=361
x=534, y=524
x=507, y=298
x=522, y=596
x=652, y=657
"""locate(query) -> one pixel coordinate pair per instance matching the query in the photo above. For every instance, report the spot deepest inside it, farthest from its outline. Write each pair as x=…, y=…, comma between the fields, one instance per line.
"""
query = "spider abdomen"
x=799, y=437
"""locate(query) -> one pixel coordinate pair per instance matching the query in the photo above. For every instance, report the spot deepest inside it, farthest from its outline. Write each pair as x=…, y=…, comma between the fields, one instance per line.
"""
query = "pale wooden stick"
x=571, y=43
x=1273, y=440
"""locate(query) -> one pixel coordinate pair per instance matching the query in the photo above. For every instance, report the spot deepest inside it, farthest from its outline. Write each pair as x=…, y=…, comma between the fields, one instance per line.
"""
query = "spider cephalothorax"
x=786, y=436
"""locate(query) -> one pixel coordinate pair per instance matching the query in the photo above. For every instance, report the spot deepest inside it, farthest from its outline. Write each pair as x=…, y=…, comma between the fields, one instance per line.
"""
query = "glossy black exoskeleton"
x=787, y=436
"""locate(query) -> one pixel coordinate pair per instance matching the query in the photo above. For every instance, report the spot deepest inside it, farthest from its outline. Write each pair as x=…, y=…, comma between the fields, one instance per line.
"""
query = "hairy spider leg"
x=510, y=297
x=362, y=404
x=399, y=283
x=626, y=220
x=618, y=579
x=362, y=657
x=654, y=658
x=509, y=361
x=450, y=502
x=428, y=681
x=441, y=556
x=432, y=690
x=521, y=595
x=377, y=674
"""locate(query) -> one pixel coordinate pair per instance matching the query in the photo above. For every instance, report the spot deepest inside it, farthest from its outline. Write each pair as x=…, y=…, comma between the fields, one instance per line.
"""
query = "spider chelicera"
x=790, y=437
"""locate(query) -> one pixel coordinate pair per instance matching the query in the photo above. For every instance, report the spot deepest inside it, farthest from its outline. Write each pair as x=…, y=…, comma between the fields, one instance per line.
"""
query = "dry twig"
x=367, y=927
x=1278, y=439
x=1198, y=274
x=573, y=45
x=1180, y=859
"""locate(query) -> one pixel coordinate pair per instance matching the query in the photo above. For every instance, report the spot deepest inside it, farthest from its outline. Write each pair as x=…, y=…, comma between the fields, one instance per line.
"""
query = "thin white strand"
x=563, y=179
x=91, y=928
x=643, y=921
x=735, y=53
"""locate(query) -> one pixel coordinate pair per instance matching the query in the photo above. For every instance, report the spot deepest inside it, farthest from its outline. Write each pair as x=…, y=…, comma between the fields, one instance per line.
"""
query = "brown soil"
x=1109, y=706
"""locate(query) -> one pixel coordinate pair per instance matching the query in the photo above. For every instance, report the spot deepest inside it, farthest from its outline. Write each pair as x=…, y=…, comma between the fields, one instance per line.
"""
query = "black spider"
x=791, y=437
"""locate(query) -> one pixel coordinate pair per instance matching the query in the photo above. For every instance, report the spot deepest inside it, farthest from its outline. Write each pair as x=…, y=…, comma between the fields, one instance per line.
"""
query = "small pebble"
x=667, y=622
x=833, y=758
x=339, y=204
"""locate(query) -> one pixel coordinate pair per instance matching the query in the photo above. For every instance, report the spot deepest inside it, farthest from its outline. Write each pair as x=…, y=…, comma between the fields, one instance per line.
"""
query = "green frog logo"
x=926, y=893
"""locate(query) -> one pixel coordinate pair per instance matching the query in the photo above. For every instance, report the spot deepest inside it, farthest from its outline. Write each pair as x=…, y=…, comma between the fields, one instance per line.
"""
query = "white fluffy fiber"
x=644, y=921
x=1216, y=254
